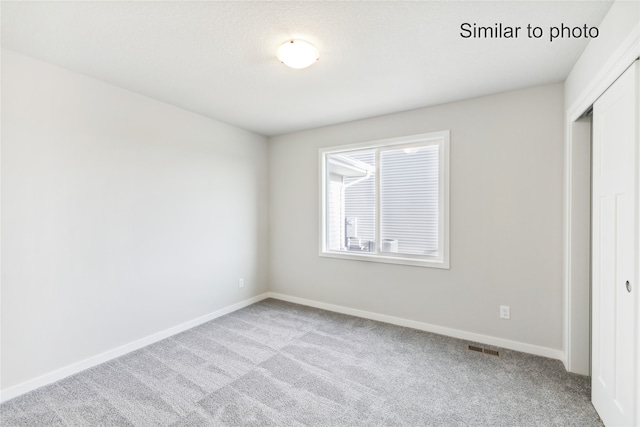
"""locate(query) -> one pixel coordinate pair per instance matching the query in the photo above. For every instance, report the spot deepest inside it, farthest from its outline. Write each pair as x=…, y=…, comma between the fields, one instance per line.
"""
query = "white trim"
x=75, y=368
x=386, y=259
x=567, y=264
x=82, y=365
x=439, y=138
x=625, y=55
x=400, y=140
x=620, y=60
x=450, y=332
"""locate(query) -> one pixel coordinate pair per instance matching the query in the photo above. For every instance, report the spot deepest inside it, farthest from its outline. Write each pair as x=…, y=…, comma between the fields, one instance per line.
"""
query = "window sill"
x=429, y=263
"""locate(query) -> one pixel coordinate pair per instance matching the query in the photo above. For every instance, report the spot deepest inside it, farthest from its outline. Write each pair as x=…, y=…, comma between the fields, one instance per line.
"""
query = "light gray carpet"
x=276, y=363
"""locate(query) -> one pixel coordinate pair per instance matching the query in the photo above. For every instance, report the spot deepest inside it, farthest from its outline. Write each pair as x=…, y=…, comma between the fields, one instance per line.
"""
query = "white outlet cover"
x=505, y=312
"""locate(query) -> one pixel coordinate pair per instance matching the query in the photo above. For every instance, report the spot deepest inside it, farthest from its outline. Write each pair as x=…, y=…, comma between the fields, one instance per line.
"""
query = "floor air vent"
x=475, y=348
x=478, y=349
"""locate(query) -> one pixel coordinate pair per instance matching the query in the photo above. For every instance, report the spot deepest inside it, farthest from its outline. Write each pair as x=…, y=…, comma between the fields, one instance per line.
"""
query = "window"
x=387, y=201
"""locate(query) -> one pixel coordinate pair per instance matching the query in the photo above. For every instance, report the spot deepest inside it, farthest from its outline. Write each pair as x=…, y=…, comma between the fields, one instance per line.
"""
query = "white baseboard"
x=455, y=333
x=82, y=365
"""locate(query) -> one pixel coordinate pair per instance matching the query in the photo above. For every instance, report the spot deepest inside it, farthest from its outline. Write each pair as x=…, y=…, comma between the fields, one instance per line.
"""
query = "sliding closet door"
x=615, y=251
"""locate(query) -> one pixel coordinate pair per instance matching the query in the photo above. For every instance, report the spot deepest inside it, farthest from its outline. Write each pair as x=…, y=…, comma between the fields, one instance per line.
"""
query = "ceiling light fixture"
x=297, y=54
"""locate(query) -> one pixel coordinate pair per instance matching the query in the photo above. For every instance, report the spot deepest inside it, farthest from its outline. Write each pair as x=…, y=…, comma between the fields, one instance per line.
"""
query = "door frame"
x=576, y=276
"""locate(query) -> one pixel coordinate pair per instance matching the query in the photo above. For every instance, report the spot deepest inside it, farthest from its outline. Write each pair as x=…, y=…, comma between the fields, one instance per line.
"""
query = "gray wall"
x=506, y=220
x=121, y=217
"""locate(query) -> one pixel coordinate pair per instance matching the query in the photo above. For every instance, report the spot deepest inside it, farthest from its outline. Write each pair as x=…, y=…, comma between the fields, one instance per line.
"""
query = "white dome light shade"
x=297, y=54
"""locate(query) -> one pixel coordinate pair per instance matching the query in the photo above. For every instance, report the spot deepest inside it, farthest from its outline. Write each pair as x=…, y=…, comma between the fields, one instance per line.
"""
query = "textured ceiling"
x=218, y=58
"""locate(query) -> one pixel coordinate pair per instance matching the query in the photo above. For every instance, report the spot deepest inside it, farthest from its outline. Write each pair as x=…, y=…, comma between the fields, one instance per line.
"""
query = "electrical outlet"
x=505, y=312
x=241, y=283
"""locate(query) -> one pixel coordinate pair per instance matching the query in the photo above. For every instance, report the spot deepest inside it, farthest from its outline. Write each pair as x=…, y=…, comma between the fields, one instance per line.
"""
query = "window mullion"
x=377, y=203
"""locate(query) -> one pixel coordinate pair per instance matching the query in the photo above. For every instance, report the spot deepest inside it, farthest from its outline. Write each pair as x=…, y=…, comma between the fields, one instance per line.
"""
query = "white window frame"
x=441, y=139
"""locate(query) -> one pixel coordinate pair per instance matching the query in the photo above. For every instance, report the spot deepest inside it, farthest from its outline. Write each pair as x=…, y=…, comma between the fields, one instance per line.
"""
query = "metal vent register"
x=479, y=349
